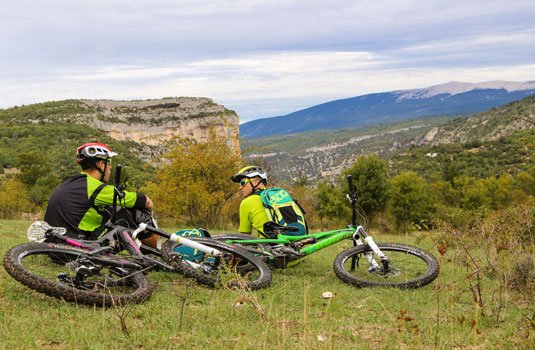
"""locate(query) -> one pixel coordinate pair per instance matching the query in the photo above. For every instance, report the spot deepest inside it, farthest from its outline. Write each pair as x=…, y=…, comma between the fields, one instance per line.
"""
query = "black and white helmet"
x=250, y=172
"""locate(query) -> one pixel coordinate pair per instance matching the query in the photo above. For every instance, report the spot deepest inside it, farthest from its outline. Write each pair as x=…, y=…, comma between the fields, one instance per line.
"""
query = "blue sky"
x=259, y=58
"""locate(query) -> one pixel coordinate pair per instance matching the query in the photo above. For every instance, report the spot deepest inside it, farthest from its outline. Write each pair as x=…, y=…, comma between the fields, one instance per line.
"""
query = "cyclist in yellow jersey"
x=77, y=204
x=252, y=180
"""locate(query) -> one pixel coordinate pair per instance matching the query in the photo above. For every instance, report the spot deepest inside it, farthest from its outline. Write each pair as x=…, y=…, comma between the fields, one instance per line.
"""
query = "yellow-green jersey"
x=78, y=202
x=252, y=215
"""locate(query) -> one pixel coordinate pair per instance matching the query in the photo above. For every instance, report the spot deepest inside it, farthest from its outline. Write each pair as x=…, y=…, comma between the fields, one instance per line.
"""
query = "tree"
x=32, y=166
x=36, y=173
x=449, y=171
x=409, y=201
x=369, y=177
x=302, y=180
x=499, y=191
x=526, y=181
x=193, y=182
x=14, y=199
x=473, y=192
x=329, y=204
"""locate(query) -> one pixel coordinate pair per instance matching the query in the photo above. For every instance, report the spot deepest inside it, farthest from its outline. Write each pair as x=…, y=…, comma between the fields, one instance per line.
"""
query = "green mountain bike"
x=365, y=264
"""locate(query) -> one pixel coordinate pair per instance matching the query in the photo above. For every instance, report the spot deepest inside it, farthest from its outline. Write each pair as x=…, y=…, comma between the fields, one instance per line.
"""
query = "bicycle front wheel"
x=69, y=273
x=235, y=268
x=408, y=266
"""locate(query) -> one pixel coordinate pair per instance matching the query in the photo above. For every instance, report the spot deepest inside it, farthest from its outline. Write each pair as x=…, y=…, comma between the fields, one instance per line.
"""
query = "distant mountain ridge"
x=454, y=98
x=323, y=154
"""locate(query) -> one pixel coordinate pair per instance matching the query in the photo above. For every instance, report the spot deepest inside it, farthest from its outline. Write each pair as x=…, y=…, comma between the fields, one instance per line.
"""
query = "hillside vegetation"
x=37, y=155
x=489, y=125
x=324, y=154
x=59, y=111
x=471, y=202
x=38, y=142
x=508, y=154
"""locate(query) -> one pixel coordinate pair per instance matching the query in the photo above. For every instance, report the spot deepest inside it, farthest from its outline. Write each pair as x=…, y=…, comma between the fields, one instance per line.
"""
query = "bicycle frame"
x=121, y=237
x=317, y=241
x=118, y=237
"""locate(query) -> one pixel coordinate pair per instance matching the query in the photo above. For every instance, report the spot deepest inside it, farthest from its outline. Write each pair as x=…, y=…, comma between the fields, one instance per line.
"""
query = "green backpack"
x=282, y=209
x=187, y=252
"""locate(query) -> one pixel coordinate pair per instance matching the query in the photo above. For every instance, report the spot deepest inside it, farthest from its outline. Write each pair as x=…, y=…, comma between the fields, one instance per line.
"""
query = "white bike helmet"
x=250, y=172
x=93, y=151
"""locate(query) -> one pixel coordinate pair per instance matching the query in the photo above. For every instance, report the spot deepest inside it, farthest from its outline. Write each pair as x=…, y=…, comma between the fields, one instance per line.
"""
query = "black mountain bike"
x=112, y=270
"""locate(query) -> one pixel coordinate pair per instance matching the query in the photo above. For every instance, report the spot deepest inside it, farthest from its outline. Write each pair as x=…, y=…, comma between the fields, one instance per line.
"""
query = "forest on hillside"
x=453, y=182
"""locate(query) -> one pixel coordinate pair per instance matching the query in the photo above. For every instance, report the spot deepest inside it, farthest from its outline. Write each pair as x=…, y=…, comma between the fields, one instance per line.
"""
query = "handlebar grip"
x=118, y=174
x=350, y=182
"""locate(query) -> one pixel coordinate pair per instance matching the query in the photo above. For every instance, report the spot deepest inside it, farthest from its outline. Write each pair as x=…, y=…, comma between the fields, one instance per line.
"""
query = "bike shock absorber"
x=299, y=244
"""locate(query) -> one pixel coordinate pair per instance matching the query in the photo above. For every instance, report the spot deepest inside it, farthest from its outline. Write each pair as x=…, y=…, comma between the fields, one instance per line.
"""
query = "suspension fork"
x=176, y=238
x=360, y=232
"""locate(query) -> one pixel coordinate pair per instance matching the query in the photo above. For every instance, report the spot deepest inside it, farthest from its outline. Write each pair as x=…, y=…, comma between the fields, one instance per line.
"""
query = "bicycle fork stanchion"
x=178, y=239
x=195, y=245
x=369, y=255
x=352, y=196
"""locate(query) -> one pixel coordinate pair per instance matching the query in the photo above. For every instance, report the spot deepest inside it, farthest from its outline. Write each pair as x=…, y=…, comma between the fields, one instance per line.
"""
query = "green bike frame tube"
x=326, y=239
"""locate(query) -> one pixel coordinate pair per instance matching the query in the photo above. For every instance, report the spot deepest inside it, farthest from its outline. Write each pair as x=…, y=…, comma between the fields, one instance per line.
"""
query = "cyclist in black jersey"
x=78, y=203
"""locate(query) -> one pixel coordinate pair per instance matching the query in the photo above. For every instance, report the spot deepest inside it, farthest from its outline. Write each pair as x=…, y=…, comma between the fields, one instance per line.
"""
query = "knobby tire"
x=49, y=268
x=409, y=267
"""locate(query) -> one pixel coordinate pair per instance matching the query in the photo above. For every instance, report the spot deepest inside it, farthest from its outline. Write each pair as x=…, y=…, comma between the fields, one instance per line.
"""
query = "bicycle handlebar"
x=115, y=191
x=118, y=174
x=350, y=182
x=353, y=199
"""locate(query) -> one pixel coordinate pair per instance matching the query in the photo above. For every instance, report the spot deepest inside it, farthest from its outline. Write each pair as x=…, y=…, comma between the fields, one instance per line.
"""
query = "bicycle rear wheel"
x=409, y=267
x=235, y=268
x=68, y=273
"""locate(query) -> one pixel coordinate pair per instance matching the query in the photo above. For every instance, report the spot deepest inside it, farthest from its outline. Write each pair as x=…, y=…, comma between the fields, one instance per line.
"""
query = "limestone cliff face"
x=152, y=122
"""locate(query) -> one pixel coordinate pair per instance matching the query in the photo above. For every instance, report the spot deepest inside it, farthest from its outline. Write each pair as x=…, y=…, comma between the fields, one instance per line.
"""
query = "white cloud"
x=261, y=58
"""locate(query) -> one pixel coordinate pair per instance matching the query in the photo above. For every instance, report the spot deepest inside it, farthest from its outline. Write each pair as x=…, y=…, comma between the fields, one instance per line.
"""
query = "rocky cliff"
x=154, y=121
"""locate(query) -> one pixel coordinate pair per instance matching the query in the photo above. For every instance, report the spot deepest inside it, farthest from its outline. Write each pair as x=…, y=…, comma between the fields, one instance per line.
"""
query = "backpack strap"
x=93, y=197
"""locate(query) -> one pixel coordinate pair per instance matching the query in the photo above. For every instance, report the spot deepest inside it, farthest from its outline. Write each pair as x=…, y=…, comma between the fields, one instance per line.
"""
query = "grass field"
x=291, y=314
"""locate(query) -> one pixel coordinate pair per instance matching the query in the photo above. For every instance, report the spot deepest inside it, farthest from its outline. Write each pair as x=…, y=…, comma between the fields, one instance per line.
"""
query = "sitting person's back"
x=256, y=208
x=78, y=203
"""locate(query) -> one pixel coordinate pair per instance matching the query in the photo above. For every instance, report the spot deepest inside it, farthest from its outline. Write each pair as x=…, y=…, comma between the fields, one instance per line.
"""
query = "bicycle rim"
x=408, y=267
x=65, y=272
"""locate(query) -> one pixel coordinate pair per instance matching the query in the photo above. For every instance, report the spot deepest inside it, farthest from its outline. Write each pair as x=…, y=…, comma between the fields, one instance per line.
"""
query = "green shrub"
x=14, y=199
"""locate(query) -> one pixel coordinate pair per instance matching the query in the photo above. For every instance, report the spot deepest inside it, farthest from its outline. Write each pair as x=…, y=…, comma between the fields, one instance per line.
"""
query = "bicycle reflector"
x=37, y=231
